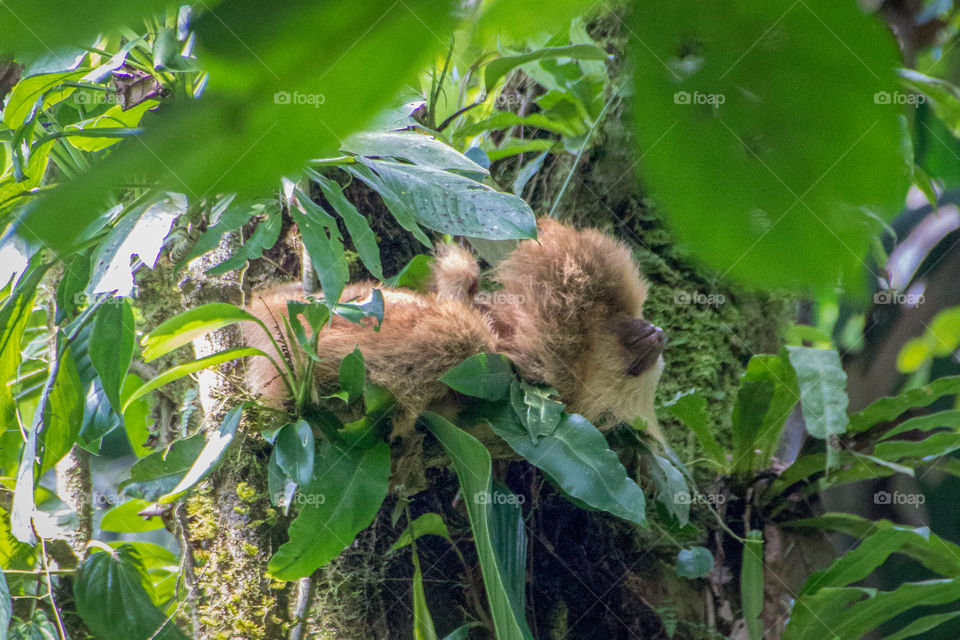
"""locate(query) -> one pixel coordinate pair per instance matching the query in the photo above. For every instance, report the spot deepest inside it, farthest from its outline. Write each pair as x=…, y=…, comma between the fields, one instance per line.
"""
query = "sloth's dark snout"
x=643, y=341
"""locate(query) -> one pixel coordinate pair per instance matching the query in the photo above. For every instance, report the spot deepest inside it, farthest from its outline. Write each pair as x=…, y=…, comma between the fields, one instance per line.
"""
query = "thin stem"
x=576, y=161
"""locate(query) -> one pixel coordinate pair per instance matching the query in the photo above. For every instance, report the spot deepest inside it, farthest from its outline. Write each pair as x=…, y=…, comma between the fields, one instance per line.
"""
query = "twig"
x=304, y=600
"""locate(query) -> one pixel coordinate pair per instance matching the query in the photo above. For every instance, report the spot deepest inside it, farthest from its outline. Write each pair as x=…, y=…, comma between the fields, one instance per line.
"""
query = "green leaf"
x=160, y=472
x=500, y=67
x=934, y=552
x=14, y=317
x=471, y=460
x=888, y=409
x=461, y=633
x=124, y=518
x=485, y=375
x=922, y=625
x=751, y=584
x=423, y=628
x=321, y=237
x=29, y=91
x=294, y=451
x=420, y=149
x=935, y=446
x=849, y=613
x=940, y=419
x=209, y=457
x=671, y=485
x=690, y=407
x=767, y=394
x=186, y=327
x=450, y=203
x=97, y=133
x=823, y=390
x=415, y=275
x=111, y=346
x=263, y=239
x=427, y=524
x=136, y=416
x=180, y=371
x=65, y=415
x=508, y=120
x=353, y=375
x=113, y=603
x=578, y=459
x=350, y=484
x=394, y=201
x=695, y=562
x=719, y=87
x=944, y=96
x=536, y=410
x=357, y=226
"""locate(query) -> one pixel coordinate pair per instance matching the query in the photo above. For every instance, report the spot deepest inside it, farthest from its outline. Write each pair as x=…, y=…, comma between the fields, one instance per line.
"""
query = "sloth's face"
x=642, y=343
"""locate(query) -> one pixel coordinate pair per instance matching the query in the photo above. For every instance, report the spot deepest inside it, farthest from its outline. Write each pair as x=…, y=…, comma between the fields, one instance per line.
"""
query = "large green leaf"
x=423, y=150
x=485, y=375
x=126, y=519
x=823, y=390
x=30, y=91
x=449, y=203
x=360, y=232
x=160, y=472
x=889, y=408
x=536, y=410
x=691, y=409
x=65, y=414
x=321, y=238
x=578, y=459
x=767, y=394
x=185, y=327
x=113, y=603
x=180, y=371
x=345, y=494
x=849, y=613
x=934, y=552
x=111, y=346
x=499, y=67
x=294, y=450
x=471, y=460
x=736, y=94
x=274, y=100
x=209, y=457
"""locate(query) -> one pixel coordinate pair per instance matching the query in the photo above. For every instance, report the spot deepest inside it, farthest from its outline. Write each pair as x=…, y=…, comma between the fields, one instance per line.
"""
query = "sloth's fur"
x=567, y=314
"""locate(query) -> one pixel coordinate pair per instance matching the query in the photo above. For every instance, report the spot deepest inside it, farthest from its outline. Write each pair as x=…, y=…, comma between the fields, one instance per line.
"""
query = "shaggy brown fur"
x=568, y=315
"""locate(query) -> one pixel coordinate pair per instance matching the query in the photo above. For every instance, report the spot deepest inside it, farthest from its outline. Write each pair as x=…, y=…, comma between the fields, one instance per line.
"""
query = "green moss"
x=245, y=492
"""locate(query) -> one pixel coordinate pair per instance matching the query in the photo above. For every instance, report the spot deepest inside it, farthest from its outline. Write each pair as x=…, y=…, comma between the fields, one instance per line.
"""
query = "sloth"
x=568, y=314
